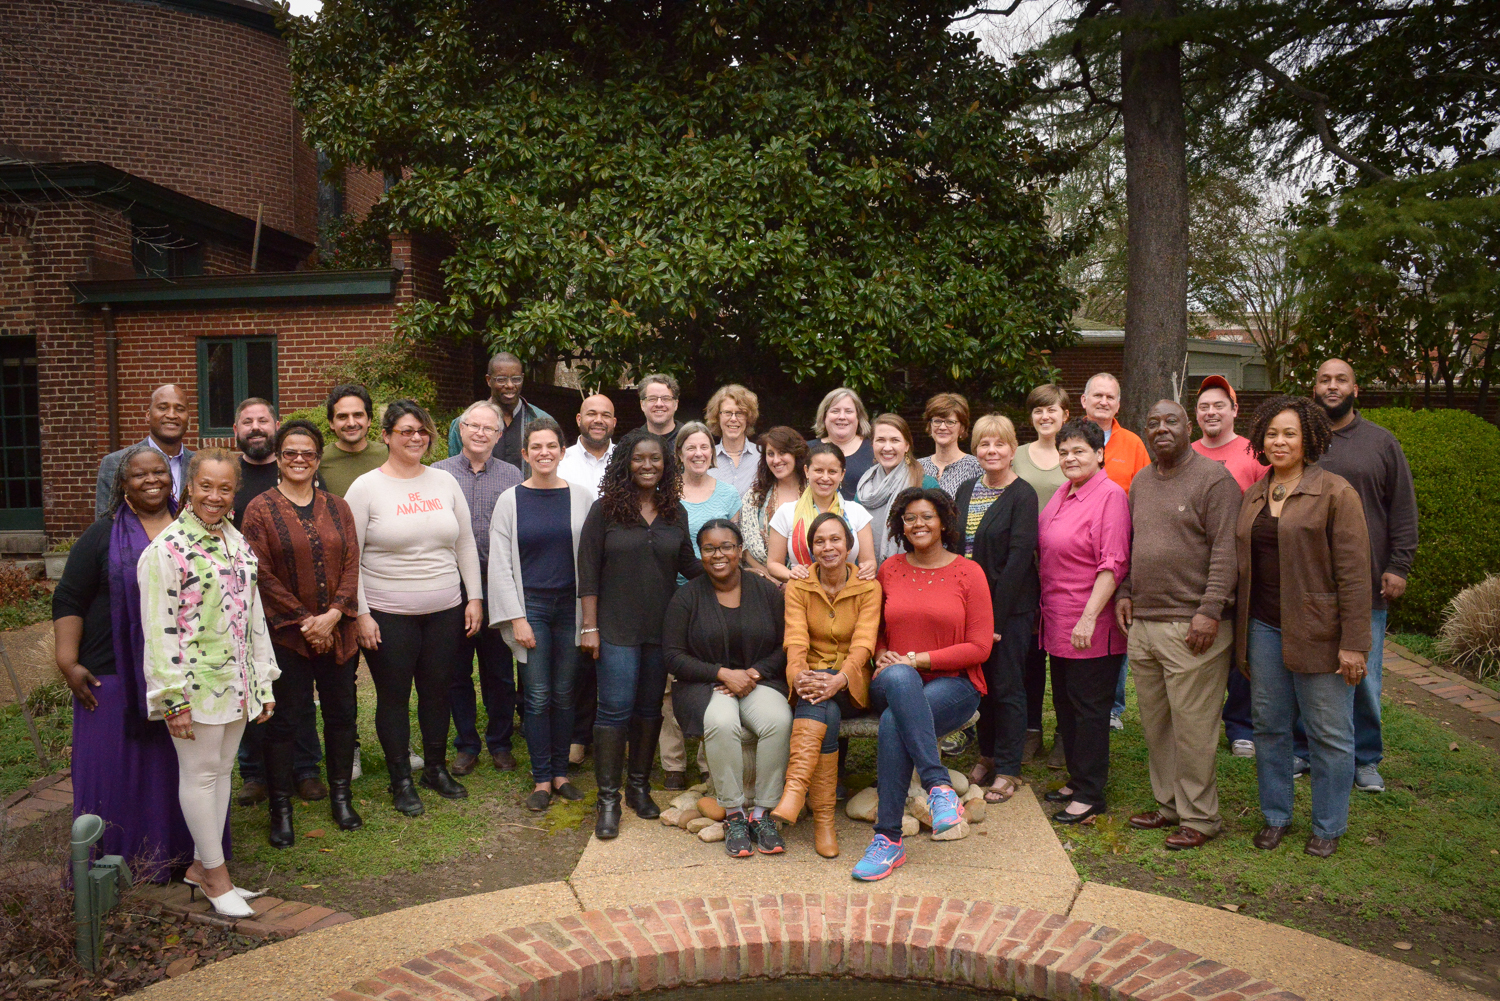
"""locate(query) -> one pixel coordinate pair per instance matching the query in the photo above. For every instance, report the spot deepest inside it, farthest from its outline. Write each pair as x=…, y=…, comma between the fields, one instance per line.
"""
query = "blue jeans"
x=1326, y=704
x=497, y=686
x=1236, y=714
x=307, y=753
x=912, y=714
x=632, y=680
x=548, y=677
x=1118, y=709
x=1369, y=749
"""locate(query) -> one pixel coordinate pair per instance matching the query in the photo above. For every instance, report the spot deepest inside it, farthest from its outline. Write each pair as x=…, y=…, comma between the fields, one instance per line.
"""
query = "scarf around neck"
x=802, y=516
x=876, y=490
x=127, y=540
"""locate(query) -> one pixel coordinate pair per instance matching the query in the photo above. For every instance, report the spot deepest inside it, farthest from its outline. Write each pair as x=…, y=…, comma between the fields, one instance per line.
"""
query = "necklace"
x=1279, y=490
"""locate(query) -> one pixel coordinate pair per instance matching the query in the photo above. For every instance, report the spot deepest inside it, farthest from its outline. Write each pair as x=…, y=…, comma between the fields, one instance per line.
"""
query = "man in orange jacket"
x=1124, y=452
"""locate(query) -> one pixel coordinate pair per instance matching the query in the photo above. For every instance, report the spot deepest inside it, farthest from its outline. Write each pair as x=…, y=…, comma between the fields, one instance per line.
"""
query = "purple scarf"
x=127, y=540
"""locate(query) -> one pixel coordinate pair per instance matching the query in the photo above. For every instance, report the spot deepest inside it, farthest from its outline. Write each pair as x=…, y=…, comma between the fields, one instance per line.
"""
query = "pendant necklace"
x=1278, y=492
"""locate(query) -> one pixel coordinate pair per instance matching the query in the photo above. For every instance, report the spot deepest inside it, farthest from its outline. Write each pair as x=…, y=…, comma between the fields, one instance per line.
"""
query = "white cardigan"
x=507, y=593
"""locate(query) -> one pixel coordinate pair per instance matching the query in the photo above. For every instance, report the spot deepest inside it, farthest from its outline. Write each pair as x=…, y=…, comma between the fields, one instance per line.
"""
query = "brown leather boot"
x=807, y=747
x=821, y=800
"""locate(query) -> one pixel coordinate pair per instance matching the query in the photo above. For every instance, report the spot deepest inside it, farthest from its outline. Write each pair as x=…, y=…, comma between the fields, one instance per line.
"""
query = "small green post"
x=96, y=890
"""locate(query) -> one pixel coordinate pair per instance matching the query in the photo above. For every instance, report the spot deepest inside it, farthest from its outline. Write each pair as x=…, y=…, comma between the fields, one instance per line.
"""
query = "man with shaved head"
x=505, y=379
x=1176, y=607
x=167, y=421
x=1369, y=457
x=585, y=459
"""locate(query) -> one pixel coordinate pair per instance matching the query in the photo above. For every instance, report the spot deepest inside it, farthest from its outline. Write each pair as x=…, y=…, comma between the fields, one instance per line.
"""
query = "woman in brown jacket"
x=1302, y=630
x=832, y=621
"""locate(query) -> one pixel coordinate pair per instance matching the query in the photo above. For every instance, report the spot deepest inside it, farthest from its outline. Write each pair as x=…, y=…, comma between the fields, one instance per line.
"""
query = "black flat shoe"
x=1058, y=796
x=538, y=801
x=1064, y=817
x=567, y=791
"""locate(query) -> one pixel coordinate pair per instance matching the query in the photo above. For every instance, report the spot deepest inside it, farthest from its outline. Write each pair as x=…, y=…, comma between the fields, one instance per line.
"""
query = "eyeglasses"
x=943, y=422
x=481, y=428
x=657, y=400
x=408, y=434
x=306, y=455
x=912, y=519
x=727, y=549
x=507, y=380
x=725, y=415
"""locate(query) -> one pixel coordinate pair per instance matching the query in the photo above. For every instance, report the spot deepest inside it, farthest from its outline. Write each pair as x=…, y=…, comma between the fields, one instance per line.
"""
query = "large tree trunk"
x=1156, y=199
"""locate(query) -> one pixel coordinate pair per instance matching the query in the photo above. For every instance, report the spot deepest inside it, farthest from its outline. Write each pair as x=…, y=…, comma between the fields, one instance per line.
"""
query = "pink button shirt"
x=1079, y=537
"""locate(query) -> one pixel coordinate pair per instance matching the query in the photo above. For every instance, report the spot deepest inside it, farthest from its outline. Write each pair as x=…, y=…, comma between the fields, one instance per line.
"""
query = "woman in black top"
x=124, y=765
x=633, y=545
x=998, y=514
x=723, y=646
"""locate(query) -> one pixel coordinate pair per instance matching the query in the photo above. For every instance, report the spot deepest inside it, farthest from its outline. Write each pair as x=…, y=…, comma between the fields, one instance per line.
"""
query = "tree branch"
x=984, y=11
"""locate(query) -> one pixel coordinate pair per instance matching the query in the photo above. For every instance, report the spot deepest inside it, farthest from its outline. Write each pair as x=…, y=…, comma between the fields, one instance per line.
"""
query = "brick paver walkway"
x=1446, y=685
x=273, y=916
x=44, y=796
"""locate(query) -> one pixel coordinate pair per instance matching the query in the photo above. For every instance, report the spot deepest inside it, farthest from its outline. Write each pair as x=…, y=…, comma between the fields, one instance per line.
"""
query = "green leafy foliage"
x=784, y=191
x=1455, y=466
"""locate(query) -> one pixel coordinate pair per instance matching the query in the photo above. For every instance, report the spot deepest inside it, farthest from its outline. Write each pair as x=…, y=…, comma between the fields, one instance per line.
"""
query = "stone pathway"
x=1446, y=685
x=44, y=796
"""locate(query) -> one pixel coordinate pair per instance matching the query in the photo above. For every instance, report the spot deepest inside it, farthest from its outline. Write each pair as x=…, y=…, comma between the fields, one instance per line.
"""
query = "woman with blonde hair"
x=947, y=417
x=843, y=421
x=896, y=469
x=731, y=415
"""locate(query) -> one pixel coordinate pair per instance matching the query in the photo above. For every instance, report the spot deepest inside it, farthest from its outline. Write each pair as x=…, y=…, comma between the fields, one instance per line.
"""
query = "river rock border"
x=620, y=951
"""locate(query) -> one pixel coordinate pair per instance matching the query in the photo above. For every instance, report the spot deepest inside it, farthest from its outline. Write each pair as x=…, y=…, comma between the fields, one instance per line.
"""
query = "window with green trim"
x=229, y=370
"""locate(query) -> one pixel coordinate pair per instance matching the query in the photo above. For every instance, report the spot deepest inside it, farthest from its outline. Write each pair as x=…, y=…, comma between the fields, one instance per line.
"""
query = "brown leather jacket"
x=1325, y=572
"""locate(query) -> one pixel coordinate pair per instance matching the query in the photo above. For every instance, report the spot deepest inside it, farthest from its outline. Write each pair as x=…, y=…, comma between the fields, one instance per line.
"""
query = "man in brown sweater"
x=1177, y=608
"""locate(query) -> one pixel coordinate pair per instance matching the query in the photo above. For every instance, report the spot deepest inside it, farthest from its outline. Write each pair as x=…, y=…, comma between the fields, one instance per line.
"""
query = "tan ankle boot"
x=822, y=795
x=807, y=745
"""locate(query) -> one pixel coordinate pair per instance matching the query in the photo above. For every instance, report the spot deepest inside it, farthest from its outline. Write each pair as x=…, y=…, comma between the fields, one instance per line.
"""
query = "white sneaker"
x=416, y=762
x=1116, y=723
x=357, y=771
x=1242, y=748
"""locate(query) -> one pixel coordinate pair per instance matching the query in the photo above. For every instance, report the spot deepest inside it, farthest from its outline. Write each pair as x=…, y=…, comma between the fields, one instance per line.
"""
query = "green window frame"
x=229, y=370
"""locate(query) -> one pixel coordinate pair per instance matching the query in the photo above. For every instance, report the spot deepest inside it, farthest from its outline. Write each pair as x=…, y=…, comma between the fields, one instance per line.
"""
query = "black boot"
x=278, y=757
x=435, y=774
x=643, y=734
x=340, y=751
x=403, y=794
x=609, y=762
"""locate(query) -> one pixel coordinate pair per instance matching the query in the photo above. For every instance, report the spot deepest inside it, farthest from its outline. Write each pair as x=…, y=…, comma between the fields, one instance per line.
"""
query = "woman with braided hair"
x=633, y=545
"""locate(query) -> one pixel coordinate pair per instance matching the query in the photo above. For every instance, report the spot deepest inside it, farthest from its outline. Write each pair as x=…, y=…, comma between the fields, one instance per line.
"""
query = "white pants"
x=205, y=766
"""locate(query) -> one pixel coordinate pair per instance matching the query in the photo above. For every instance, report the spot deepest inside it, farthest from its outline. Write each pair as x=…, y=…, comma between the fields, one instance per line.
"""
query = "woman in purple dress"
x=124, y=765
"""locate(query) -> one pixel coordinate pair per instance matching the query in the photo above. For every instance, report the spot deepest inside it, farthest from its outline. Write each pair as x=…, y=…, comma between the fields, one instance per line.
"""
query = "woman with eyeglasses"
x=417, y=559
x=947, y=417
x=305, y=540
x=731, y=414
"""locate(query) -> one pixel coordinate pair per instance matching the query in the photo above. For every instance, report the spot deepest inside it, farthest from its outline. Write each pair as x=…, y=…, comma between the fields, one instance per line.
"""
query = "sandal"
x=999, y=793
x=986, y=769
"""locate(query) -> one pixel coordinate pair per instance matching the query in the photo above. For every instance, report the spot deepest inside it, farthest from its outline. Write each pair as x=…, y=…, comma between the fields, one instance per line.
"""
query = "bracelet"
x=589, y=629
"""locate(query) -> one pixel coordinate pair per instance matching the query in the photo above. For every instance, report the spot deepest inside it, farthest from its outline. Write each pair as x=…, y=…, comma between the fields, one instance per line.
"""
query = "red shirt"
x=946, y=613
x=1237, y=457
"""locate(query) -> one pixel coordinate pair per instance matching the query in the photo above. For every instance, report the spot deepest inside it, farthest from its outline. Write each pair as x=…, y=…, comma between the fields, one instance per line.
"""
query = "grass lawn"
x=52, y=708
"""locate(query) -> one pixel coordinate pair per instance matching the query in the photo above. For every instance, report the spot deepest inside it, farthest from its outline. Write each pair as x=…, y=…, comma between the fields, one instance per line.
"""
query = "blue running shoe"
x=946, y=810
x=882, y=858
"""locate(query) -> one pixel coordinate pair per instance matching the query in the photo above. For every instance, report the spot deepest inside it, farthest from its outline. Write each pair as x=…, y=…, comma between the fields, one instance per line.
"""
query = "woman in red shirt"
x=929, y=665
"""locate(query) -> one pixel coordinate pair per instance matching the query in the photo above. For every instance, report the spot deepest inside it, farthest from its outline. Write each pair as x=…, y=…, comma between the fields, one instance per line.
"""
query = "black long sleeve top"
x=84, y=592
x=632, y=570
x=1005, y=547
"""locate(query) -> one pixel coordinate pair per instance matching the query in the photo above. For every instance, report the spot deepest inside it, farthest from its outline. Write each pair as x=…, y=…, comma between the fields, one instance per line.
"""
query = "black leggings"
x=293, y=692
x=830, y=713
x=420, y=649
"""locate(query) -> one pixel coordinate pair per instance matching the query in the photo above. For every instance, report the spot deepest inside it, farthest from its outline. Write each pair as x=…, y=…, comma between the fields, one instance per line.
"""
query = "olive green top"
x=1044, y=481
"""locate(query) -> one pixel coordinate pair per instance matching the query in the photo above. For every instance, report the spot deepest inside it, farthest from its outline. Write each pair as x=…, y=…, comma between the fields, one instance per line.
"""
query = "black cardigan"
x=694, y=643
x=1005, y=547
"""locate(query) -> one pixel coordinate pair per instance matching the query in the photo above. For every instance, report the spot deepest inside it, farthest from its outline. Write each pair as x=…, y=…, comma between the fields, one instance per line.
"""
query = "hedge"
x=319, y=419
x=1455, y=465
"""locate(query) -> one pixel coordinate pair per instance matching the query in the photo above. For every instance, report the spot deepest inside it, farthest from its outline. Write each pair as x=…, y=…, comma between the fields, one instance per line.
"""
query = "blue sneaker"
x=882, y=858
x=946, y=810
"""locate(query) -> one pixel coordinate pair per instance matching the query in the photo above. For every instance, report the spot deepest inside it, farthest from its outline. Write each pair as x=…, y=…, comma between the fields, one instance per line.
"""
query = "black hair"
x=1317, y=434
x=1085, y=429
x=817, y=448
x=718, y=523
x=117, y=489
x=617, y=496
x=817, y=523
x=302, y=427
x=542, y=424
x=947, y=512
x=342, y=390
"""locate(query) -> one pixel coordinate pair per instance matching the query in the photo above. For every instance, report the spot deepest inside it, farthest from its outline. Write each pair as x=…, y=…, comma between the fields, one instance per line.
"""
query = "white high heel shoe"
x=230, y=904
x=244, y=893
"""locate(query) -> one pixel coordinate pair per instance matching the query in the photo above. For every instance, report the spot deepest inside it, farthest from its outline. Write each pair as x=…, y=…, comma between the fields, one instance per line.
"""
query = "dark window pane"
x=219, y=384
x=260, y=370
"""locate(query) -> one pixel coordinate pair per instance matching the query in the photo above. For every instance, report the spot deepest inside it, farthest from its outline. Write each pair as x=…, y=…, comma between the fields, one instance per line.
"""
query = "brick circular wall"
x=624, y=950
x=192, y=101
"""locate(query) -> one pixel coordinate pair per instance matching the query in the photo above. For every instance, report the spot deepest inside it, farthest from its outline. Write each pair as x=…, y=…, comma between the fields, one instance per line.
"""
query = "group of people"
x=693, y=579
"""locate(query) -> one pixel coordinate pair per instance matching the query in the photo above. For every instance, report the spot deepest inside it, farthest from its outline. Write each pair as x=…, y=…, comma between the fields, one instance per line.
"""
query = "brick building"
x=144, y=146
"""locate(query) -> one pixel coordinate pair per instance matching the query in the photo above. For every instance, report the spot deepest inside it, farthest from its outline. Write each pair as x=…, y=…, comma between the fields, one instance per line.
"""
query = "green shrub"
x=1455, y=465
x=319, y=419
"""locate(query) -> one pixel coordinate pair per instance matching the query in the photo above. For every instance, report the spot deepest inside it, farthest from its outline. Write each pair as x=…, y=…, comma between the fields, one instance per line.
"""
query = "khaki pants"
x=1179, y=695
x=763, y=718
x=670, y=744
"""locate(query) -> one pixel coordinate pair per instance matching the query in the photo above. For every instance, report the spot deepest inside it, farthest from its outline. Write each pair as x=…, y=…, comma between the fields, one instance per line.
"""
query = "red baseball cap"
x=1219, y=382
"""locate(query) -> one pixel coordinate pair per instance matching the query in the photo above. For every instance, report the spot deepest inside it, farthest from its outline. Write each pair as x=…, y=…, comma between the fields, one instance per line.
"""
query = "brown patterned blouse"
x=309, y=563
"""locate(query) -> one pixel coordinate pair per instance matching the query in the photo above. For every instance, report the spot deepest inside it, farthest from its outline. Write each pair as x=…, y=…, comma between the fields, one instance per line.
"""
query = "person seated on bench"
x=832, y=619
x=929, y=666
x=722, y=642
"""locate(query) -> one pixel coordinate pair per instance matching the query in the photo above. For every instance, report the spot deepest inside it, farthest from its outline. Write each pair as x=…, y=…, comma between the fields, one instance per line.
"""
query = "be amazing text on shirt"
x=415, y=503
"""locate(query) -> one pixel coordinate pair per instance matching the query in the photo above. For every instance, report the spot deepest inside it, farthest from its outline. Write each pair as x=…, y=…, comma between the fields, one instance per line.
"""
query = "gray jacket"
x=104, y=486
x=507, y=592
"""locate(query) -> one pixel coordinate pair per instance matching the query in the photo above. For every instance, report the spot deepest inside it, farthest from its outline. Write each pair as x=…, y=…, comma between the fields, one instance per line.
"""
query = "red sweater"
x=945, y=613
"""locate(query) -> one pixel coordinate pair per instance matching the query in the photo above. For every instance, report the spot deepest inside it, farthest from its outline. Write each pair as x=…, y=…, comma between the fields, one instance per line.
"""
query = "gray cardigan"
x=507, y=593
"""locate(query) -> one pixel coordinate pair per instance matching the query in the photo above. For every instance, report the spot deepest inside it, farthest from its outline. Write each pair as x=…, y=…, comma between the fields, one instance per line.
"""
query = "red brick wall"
x=362, y=189
x=195, y=103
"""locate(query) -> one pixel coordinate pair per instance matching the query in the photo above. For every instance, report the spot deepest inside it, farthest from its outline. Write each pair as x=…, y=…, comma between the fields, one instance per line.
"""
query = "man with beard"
x=350, y=410
x=1369, y=457
x=585, y=459
x=255, y=424
x=505, y=379
x=1172, y=606
x=167, y=423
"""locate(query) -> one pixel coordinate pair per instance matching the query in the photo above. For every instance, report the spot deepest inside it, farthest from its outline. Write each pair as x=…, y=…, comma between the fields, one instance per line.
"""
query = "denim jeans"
x=1326, y=704
x=1118, y=708
x=548, y=676
x=308, y=751
x=1236, y=714
x=912, y=715
x=497, y=687
x=631, y=682
x=1369, y=748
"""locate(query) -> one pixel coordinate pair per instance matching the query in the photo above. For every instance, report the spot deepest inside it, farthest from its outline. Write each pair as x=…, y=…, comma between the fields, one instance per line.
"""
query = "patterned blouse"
x=955, y=474
x=206, y=640
x=755, y=522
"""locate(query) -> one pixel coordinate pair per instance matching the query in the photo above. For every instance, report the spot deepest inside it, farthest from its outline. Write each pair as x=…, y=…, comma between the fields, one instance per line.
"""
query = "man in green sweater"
x=353, y=454
x=1176, y=605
